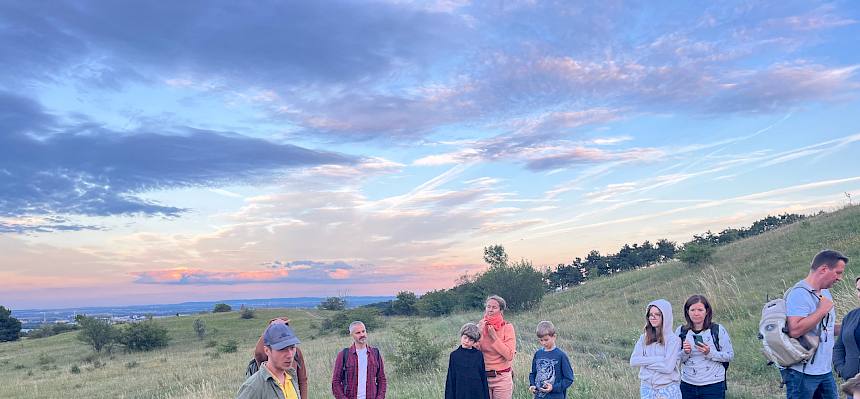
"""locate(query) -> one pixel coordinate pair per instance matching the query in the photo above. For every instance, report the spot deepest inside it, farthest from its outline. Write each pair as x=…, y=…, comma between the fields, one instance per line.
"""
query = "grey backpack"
x=779, y=347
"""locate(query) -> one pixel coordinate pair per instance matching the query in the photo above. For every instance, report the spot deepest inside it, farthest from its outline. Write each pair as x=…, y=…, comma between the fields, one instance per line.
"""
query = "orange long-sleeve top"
x=498, y=354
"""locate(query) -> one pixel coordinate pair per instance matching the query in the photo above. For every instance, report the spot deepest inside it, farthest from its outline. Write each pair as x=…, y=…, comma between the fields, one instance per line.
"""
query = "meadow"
x=598, y=324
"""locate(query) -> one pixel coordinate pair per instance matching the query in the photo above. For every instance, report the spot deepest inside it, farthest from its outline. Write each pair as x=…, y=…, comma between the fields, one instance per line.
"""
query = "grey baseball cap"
x=279, y=336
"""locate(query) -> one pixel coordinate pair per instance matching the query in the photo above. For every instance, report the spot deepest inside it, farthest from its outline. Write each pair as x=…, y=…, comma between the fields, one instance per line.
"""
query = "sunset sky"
x=160, y=152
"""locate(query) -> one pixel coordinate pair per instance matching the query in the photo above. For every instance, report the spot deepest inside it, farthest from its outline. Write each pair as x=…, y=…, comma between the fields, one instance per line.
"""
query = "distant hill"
x=36, y=316
x=598, y=324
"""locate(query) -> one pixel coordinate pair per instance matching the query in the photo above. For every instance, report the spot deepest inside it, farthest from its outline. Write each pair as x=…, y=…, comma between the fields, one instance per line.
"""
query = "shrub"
x=143, y=336
x=221, y=307
x=132, y=364
x=332, y=303
x=695, y=253
x=416, y=352
x=98, y=333
x=248, y=313
x=199, y=328
x=405, y=304
x=75, y=369
x=437, y=303
x=339, y=322
x=230, y=346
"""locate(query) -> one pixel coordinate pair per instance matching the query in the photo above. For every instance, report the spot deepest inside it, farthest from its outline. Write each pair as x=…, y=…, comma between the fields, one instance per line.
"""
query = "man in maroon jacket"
x=359, y=372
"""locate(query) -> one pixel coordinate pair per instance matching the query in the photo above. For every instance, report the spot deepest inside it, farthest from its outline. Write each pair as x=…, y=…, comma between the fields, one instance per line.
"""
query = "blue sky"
x=154, y=152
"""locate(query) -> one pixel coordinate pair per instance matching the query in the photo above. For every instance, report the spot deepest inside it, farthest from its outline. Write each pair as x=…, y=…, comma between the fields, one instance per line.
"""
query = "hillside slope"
x=598, y=323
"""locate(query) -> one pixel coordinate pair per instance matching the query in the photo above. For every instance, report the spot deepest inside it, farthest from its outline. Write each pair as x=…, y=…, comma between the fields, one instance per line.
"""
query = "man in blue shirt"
x=809, y=310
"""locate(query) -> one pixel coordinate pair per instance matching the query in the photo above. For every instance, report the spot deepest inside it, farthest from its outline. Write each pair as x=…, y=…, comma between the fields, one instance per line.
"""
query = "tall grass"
x=598, y=324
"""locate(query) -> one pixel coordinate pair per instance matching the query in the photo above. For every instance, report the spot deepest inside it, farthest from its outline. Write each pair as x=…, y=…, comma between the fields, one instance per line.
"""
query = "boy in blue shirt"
x=551, y=372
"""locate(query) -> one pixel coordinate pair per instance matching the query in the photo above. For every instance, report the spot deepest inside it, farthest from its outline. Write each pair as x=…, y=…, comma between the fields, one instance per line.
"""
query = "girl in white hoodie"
x=657, y=353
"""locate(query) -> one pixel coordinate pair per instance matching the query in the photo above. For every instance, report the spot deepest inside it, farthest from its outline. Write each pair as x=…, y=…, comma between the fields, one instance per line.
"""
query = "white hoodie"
x=658, y=364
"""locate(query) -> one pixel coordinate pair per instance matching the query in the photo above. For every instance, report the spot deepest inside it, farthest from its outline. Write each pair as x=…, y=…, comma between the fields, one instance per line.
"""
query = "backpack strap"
x=715, y=334
x=344, y=355
x=683, y=334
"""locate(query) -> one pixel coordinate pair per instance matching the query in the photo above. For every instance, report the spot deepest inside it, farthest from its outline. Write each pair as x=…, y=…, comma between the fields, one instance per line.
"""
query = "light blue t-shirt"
x=801, y=303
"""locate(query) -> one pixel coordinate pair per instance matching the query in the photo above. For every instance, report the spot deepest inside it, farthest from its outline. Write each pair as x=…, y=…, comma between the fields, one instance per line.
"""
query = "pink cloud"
x=185, y=276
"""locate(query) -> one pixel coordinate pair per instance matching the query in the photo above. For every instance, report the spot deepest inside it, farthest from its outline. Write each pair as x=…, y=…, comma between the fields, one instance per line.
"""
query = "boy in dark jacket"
x=551, y=372
x=467, y=378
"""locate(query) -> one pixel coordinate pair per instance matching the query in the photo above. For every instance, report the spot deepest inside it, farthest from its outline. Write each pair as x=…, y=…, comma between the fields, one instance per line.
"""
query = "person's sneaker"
x=851, y=386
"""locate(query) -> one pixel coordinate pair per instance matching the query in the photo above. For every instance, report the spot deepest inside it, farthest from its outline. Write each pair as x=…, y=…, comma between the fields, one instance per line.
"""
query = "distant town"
x=33, y=318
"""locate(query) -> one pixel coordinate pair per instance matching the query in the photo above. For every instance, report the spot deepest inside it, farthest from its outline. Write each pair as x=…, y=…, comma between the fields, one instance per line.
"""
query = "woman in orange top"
x=499, y=345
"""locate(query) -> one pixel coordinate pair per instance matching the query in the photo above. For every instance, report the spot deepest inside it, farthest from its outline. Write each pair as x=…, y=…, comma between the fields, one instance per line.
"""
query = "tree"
x=405, y=304
x=199, y=328
x=10, y=327
x=221, y=307
x=495, y=255
x=469, y=294
x=565, y=276
x=520, y=284
x=695, y=253
x=437, y=303
x=144, y=336
x=98, y=333
x=332, y=303
x=665, y=249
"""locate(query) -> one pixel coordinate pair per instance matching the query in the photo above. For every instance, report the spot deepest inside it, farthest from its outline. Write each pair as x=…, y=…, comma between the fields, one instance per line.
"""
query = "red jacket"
x=377, y=384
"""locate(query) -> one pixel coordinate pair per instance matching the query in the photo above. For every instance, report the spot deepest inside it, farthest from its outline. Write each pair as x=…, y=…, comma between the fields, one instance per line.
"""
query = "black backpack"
x=715, y=334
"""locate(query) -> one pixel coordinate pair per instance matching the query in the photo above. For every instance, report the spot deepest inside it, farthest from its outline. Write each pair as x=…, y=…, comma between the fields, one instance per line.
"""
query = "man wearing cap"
x=276, y=378
x=359, y=372
x=298, y=364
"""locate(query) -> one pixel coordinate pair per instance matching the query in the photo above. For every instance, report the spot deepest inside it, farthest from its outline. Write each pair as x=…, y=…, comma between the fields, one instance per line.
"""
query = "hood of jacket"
x=665, y=308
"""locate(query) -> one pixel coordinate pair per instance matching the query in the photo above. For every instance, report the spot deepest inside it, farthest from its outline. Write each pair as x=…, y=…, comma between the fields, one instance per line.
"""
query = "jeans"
x=710, y=391
x=805, y=386
x=501, y=386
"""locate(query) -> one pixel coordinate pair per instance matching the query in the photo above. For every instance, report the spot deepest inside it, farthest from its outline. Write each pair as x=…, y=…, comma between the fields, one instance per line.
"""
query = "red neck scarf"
x=496, y=321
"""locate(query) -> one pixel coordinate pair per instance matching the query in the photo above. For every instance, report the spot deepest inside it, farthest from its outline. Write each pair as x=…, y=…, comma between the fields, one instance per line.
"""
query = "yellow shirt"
x=287, y=388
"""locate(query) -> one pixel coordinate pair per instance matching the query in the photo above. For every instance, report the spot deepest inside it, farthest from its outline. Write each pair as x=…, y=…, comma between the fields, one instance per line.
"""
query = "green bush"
x=221, y=307
x=75, y=369
x=230, y=346
x=415, y=352
x=332, y=303
x=143, y=336
x=339, y=322
x=405, y=304
x=695, y=254
x=437, y=303
x=199, y=328
x=248, y=313
x=98, y=333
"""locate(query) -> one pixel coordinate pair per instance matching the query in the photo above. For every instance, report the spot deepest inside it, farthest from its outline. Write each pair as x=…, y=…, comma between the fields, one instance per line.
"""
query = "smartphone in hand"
x=698, y=339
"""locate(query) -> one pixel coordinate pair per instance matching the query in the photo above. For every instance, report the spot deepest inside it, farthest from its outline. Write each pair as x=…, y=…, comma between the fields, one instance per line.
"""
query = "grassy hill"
x=598, y=325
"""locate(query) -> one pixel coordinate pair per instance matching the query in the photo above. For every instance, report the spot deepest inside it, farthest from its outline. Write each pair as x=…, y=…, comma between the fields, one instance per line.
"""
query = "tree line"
x=524, y=286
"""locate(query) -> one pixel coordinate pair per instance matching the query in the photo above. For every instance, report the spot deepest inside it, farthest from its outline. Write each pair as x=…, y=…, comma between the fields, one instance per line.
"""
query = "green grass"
x=598, y=324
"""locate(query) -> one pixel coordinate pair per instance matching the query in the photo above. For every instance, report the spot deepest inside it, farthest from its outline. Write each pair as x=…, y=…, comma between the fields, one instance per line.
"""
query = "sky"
x=161, y=152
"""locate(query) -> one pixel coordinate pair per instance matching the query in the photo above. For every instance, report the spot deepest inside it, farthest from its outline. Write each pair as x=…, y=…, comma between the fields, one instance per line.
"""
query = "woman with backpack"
x=706, y=351
x=656, y=354
x=846, y=355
